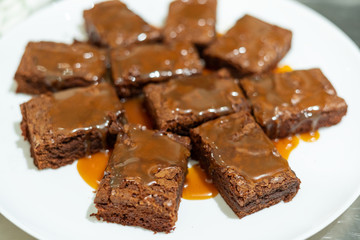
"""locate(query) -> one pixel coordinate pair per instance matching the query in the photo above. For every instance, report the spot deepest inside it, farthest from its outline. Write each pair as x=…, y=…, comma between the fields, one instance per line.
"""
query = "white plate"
x=56, y=204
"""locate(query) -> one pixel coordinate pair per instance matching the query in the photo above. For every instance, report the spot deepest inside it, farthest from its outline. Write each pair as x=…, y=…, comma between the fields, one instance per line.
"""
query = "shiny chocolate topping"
x=142, y=153
x=58, y=62
x=84, y=108
x=154, y=62
x=252, y=45
x=238, y=142
x=280, y=96
x=202, y=94
x=192, y=21
x=116, y=25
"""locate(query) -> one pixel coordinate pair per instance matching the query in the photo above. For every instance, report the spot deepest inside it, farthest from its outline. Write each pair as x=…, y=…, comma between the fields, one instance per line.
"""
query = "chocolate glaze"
x=73, y=110
x=112, y=24
x=251, y=45
x=202, y=94
x=154, y=62
x=192, y=21
x=141, y=153
x=239, y=143
x=305, y=94
x=57, y=62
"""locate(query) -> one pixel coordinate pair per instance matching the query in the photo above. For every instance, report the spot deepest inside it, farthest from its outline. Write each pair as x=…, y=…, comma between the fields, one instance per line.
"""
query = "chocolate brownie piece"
x=243, y=163
x=192, y=21
x=134, y=67
x=112, y=24
x=251, y=46
x=293, y=102
x=181, y=104
x=144, y=179
x=70, y=124
x=50, y=67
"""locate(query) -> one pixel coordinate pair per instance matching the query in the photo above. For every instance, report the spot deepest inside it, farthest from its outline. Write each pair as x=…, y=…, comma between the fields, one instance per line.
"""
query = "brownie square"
x=243, y=163
x=293, y=102
x=192, y=21
x=134, y=67
x=181, y=104
x=50, y=67
x=71, y=124
x=251, y=46
x=144, y=179
x=112, y=24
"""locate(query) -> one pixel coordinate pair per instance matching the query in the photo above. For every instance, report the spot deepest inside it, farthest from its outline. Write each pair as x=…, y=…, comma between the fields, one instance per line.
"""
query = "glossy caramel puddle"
x=310, y=136
x=286, y=145
x=91, y=168
x=198, y=186
x=135, y=112
x=285, y=68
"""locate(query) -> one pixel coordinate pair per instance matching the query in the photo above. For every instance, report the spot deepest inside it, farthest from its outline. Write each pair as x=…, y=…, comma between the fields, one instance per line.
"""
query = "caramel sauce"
x=239, y=143
x=154, y=61
x=192, y=21
x=198, y=185
x=91, y=168
x=286, y=145
x=310, y=136
x=114, y=25
x=202, y=95
x=282, y=69
x=136, y=113
x=143, y=154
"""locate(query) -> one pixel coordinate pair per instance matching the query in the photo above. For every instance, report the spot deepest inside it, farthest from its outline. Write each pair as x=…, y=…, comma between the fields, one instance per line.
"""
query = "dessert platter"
x=208, y=75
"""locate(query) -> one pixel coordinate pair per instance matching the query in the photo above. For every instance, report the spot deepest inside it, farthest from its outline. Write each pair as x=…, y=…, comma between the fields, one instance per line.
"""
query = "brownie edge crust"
x=71, y=124
x=144, y=179
x=248, y=183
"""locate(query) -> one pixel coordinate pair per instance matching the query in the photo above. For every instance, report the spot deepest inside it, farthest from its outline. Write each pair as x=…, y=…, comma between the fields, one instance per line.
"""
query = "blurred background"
x=343, y=13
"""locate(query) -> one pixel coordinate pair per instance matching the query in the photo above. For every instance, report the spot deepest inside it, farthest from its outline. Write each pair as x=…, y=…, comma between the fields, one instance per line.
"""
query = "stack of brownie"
x=224, y=118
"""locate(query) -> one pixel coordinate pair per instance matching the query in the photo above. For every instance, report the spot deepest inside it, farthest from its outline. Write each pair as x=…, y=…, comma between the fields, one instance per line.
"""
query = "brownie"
x=293, y=102
x=181, y=104
x=134, y=67
x=251, y=46
x=243, y=163
x=191, y=20
x=112, y=24
x=143, y=181
x=71, y=124
x=50, y=67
